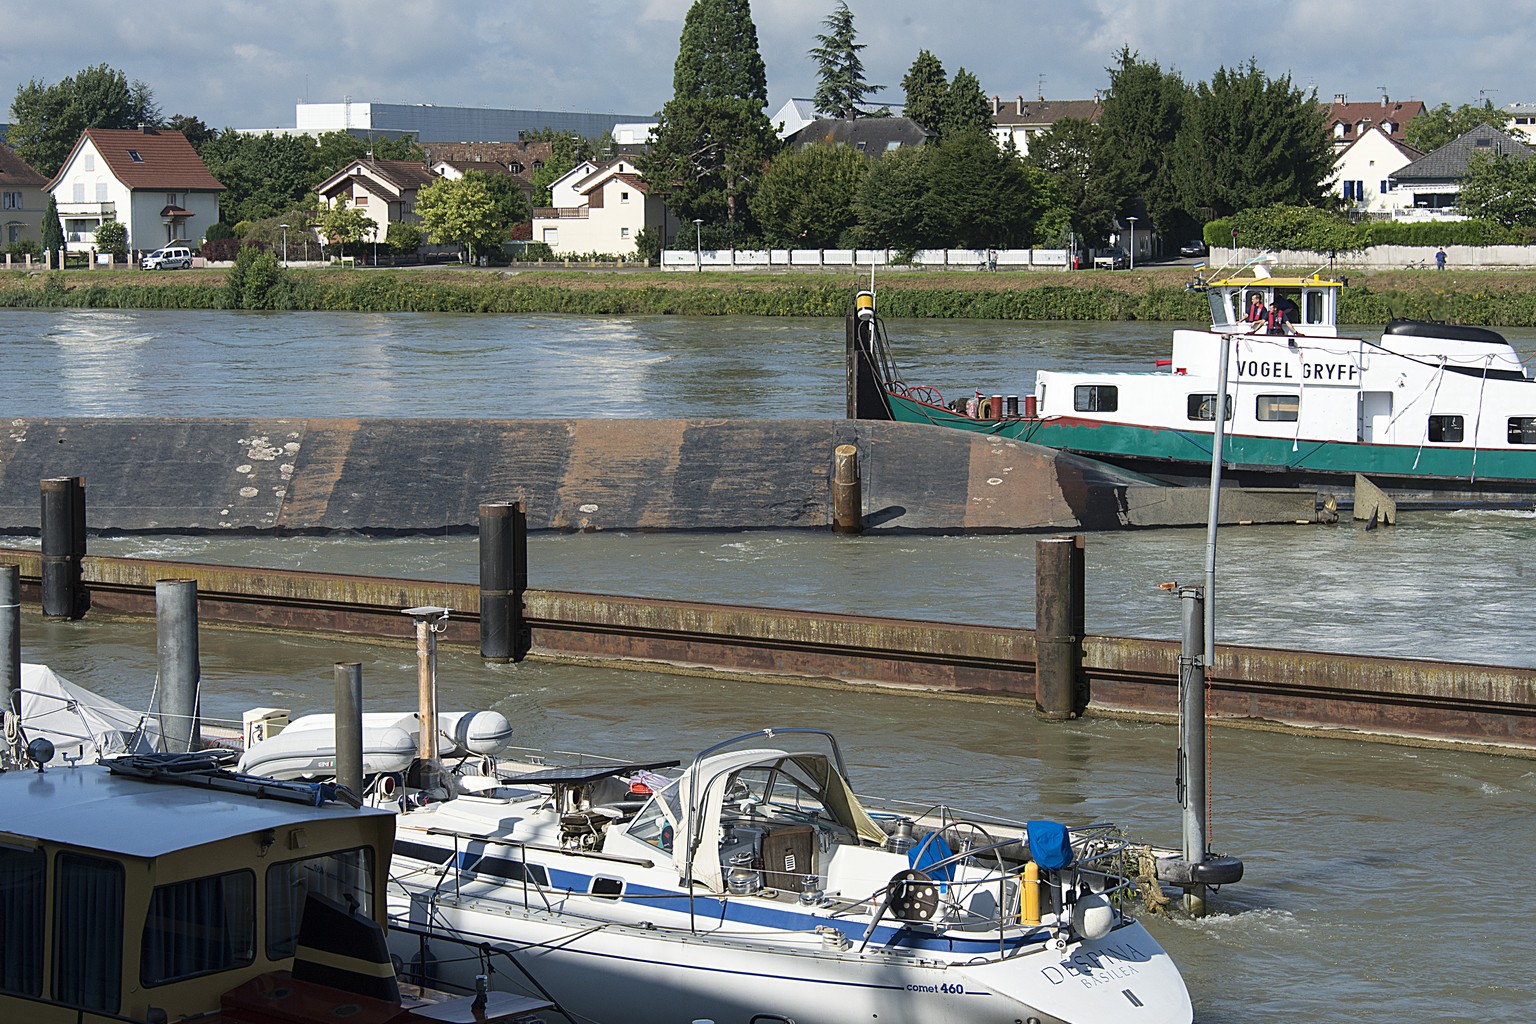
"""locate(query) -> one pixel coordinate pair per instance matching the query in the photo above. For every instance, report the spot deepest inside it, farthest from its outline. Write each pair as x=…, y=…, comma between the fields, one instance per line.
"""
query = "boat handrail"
x=540, y=847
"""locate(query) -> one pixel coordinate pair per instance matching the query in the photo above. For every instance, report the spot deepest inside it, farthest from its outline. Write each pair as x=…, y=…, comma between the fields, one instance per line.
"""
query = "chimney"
x=1021, y=104
x=145, y=129
x=1384, y=99
x=1338, y=98
x=997, y=105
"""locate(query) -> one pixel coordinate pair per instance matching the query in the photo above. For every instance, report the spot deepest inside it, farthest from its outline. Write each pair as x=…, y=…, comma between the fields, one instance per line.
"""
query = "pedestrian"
x=1440, y=258
x=1256, y=312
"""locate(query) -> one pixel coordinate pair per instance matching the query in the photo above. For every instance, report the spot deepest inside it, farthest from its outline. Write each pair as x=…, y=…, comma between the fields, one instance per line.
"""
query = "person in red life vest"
x=1275, y=319
x=1256, y=311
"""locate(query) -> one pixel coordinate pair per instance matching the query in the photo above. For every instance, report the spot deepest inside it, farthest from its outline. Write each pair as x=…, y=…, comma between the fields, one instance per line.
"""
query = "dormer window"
x=1388, y=127
x=1340, y=130
x=133, y=155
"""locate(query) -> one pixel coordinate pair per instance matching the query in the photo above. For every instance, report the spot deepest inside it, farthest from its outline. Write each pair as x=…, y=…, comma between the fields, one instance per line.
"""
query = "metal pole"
x=176, y=648
x=1192, y=750
x=10, y=638
x=63, y=544
x=1058, y=626
x=429, y=620
x=698, y=244
x=349, y=724
x=847, y=491
x=1213, y=512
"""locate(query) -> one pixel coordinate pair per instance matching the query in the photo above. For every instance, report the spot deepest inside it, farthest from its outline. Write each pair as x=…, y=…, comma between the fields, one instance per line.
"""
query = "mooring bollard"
x=1059, y=626
x=180, y=671
x=349, y=724
x=847, y=491
x=63, y=537
x=503, y=581
x=10, y=638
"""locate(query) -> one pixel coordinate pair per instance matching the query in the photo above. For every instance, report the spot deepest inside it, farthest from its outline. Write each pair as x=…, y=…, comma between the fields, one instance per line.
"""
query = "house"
x=1362, y=173
x=1522, y=121
x=794, y=115
x=384, y=190
x=1022, y=122
x=150, y=179
x=22, y=200
x=1426, y=188
x=522, y=159
x=601, y=210
x=872, y=136
x=1349, y=121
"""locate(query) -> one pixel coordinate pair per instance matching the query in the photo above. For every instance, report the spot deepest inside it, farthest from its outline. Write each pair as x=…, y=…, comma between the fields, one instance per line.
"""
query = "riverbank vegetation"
x=1489, y=298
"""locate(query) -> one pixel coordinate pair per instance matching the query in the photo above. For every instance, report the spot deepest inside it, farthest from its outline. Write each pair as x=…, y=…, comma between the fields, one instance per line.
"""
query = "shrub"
x=255, y=281
x=217, y=232
x=112, y=237
x=221, y=249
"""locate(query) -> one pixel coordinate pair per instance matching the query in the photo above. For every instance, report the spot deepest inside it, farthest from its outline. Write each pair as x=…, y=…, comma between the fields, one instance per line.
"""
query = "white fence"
x=1396, y=257
x=954, y=259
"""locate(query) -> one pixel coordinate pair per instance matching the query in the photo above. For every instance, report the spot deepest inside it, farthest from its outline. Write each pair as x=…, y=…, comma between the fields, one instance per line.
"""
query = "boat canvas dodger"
x=753, y=880
x=1433, y=413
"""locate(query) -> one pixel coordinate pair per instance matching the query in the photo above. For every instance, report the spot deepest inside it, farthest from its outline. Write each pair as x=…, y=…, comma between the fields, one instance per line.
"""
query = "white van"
x=168, y=258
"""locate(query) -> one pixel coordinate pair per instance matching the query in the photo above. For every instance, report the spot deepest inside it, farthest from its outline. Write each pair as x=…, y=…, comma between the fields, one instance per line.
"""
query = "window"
x=360, y=201
x=199, y=927
x=1277, y=408
x=101, y=191
x=133, y=155
x=88, y=932
x=90, y=161
x=77, y=192
x=651, y=826
x=1446, y=429
x=623, y=232
x=346, y=873
x=1522, y=430
x=170, y=199
x=12, y=201
x=1095, y=398
x=623, y=197
x=551, y=236
x=21, y=894
x=1203, y=407
x=1383, y=187
x=606, y=888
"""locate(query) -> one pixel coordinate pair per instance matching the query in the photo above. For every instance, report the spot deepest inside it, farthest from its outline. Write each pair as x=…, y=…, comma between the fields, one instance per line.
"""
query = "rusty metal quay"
x=1399, y=700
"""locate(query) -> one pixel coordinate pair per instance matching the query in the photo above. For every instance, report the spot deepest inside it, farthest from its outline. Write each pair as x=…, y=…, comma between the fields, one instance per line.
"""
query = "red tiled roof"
x=1040, y=111
x=1373, y=112
x=16, y=171
x=166, y=159
x=633, y=180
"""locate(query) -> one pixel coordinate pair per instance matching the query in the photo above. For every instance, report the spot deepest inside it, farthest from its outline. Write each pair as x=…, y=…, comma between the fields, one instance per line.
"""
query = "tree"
x=1500, y=187
x=839, y=71
x=404, y=237
x=1068, y=154
x=461, y=212
x=713, y=139
x=112, y=237
x=53, y=231
x=927, y=89
x=1251, y=141
x=263, y=175
x=511, y=204
x=567, y=149
x=966, y=108
x=343, y=224
x=1439, y=125
x=1137, y=129
x=193, y=128
x=805, y=199
x=48, y=119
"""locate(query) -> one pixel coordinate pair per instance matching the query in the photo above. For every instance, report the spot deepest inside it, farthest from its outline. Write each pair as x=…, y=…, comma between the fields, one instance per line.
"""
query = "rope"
x=1147, y=886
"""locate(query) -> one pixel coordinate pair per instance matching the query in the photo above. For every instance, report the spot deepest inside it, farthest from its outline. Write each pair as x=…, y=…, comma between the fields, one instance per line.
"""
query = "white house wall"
x=139, y=211
x=1372, y=160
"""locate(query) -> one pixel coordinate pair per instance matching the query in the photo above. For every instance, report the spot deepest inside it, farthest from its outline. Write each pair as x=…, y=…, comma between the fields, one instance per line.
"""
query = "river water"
x=1370, y=893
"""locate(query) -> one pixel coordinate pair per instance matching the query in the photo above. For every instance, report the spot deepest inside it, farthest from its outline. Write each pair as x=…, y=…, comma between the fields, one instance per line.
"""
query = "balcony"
x=97, y=211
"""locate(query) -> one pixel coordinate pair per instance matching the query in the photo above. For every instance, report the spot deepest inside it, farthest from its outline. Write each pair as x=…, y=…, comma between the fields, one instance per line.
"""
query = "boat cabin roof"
x=88, y=806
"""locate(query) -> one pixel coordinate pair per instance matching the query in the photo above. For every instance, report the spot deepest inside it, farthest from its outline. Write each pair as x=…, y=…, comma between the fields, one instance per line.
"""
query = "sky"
x=245, y=64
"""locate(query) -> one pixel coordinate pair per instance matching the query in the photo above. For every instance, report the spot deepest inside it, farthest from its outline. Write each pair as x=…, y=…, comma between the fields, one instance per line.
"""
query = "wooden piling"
x=847, y=491
x=1059, y=627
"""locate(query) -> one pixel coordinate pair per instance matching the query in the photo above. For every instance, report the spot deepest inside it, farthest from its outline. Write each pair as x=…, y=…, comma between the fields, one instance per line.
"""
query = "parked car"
x=1113, y=258
x=169, y=258
x=1194, y=248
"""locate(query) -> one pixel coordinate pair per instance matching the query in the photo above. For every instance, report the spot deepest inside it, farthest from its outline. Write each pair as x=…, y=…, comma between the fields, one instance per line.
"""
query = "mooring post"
x=180, y=671
x=1192, y=749
x=847, y=491
x=349, y=724
x=10, y=638
x=504, y=634
x=429, y=622
x=1059, y=627
x=63, y=543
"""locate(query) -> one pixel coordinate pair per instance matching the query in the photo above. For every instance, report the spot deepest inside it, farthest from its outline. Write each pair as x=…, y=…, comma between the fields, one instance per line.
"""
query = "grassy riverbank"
x=1491, y=298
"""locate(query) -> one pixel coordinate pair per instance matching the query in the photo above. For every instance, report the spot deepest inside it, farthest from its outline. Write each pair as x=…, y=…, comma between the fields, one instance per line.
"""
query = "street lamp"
x=285, y=243
x=1133, y=241
x=698, y=244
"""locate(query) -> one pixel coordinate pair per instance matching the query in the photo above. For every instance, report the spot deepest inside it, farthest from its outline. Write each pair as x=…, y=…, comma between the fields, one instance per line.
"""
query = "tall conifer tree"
x=927, y=87
x=839, y=69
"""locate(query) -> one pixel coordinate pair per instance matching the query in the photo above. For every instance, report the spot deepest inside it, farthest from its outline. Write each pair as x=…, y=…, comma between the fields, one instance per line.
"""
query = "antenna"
x=1040, y=88
x=1486, y=95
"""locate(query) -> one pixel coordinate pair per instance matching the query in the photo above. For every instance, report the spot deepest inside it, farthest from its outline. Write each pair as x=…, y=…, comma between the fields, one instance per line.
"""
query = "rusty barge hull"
x=1385, y=698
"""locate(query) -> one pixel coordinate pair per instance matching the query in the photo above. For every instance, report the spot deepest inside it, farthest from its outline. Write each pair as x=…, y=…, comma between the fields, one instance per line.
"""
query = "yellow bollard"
x=1031, y=896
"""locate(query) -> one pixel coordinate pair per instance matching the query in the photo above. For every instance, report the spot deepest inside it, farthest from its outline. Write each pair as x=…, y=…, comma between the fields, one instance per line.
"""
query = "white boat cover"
x=80, y=723
x=693, y=802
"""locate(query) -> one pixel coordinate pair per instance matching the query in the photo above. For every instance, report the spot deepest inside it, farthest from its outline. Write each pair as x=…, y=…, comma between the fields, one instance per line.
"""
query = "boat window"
x=607, y=888
x=1281, y=408
x=509, y=869
x=1522, y=430
x=345, y=876
x=1096, y=398
x=1446, y=429
x=1203, y=407
x=782, y=789
x=88, y=932
x=199, y=927
x=651, y=826
x=21, y=926
x=1312, y=306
